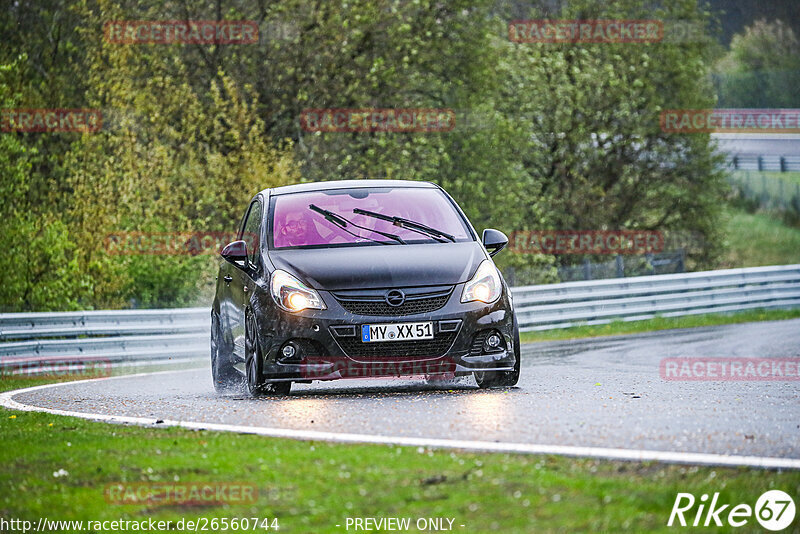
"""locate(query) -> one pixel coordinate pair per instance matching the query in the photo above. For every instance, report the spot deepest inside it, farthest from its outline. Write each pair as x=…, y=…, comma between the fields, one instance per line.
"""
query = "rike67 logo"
x=774, y=510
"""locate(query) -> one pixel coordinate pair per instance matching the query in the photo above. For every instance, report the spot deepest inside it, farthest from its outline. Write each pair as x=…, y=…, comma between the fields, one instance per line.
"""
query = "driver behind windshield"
x=298, y=229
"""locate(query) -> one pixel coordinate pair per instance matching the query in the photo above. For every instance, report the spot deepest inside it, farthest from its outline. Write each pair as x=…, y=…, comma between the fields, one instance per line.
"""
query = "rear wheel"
x=501, y=379
x=223, y=373
x=256, y=385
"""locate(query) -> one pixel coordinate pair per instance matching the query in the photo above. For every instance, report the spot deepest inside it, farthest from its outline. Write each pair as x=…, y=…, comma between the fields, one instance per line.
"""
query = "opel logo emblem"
x=395, y=297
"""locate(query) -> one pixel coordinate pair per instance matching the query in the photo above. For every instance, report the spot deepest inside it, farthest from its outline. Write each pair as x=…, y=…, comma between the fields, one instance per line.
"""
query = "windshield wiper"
x=409, y=224
x=342, y=223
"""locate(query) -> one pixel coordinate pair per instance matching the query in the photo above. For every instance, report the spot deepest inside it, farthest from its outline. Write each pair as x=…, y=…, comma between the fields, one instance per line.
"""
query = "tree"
x=762, y=68
x=39, y=269
x=592, y=140
x=168, y=161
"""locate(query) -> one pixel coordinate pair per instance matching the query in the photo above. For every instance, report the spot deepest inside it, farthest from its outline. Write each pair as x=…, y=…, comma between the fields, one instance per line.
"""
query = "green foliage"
x=39, y=270
x=546, y=136
x=168, y=161
x=589, y=115
x=762, y=68
x=755, y=239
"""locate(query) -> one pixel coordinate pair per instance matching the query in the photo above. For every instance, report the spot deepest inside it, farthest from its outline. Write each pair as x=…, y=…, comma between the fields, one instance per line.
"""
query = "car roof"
x=345, y=184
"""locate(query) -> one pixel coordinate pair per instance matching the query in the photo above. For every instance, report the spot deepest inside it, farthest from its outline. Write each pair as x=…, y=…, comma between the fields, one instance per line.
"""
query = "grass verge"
x=792, y=177
x=57, y=467
x=617, y=328
x=756, y=239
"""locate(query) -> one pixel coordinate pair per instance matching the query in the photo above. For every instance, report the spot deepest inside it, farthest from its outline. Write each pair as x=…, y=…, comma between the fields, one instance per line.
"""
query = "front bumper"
x=326, y=354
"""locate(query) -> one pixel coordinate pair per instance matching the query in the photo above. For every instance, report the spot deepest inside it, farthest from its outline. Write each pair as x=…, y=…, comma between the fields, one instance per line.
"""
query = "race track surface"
x=591, y=393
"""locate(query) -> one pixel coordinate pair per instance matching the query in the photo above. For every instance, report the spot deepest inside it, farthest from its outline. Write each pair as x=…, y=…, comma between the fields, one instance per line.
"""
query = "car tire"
x=223, y=373
x=502, y=379
x=255, y=383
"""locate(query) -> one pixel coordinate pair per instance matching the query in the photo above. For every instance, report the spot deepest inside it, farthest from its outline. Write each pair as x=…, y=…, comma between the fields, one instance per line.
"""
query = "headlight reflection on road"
x=491, y=409
x=301, y=410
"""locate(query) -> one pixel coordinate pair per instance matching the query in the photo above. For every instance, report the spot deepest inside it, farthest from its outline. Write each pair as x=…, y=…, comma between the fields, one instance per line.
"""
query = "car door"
x=242, y=283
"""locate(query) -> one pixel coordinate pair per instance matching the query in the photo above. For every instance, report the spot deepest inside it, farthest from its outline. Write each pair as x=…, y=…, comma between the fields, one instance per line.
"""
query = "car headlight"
x=484, y=286
x=293, y=295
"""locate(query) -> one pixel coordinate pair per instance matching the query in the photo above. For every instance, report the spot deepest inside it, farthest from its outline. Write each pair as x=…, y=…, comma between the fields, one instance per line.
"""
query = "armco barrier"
x=118, y=337
x=102, y=323
x=130, y=337
x=643, y=297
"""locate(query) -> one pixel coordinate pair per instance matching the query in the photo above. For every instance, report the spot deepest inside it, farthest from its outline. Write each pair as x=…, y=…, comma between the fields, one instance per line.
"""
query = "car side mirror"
x=235, y=251
x=494, y=241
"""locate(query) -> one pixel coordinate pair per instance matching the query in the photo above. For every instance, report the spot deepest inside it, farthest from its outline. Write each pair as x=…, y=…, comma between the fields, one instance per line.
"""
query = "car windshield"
x=332, y=222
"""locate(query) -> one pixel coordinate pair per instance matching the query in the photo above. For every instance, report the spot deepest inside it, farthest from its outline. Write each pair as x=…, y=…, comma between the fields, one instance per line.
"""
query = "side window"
x=251, y=233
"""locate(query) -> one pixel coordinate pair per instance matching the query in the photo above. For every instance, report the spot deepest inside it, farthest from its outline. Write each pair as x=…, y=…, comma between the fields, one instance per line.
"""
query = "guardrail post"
x=620, y=267
x=783, y=164
x=760, y=163
x=587, y=269
x=736, y=162
x=795, y=202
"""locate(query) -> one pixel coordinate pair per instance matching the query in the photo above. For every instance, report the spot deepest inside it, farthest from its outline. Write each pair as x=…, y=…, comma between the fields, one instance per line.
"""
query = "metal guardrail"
x=119, y=337
x=101, y=323
x=630, y=299
x=763, y=162
x=130, y=337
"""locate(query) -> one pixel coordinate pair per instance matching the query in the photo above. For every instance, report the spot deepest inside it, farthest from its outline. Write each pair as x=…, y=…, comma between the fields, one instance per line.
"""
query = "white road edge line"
x=7, y=401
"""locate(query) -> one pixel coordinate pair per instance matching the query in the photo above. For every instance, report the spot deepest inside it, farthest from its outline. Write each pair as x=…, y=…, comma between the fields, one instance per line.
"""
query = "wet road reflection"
x=603, y=393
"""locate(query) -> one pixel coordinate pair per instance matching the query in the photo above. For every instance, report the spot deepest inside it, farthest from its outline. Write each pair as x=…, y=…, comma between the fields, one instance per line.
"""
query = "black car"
x=364, y=278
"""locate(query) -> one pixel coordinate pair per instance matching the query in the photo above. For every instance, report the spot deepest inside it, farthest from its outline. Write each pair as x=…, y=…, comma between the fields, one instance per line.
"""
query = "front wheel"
x=223, y=373
x=256, y=385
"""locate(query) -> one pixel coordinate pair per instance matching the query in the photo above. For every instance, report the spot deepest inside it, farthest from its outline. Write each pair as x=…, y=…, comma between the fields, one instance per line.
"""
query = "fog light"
x=493, y=342
x=288, y=351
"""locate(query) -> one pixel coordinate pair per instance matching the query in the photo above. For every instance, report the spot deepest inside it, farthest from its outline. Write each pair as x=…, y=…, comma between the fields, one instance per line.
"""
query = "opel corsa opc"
x=367, y=278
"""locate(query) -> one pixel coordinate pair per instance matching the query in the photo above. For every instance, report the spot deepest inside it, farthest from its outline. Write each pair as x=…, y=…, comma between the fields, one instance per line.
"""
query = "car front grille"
x=422, y=348
x=376, y=305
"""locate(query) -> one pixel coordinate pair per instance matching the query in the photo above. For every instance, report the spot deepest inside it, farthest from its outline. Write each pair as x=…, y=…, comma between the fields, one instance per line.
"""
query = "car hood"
x=384, y=266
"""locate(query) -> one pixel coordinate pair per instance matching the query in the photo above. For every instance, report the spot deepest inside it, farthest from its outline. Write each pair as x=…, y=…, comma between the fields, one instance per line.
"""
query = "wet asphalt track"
x=598, y=393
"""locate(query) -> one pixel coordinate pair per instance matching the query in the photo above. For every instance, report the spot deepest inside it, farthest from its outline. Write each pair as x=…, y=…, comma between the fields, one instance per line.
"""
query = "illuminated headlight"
x=293, y=295
x=484, y=286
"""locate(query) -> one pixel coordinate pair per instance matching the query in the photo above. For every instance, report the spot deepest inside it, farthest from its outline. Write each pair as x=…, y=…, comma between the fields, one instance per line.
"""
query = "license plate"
x=396, y=332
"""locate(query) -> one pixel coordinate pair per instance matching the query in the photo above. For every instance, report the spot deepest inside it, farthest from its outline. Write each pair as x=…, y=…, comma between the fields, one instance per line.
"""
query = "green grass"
x=312, y=486
x=617, y=328
x=759, y=239
x=792, y=177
